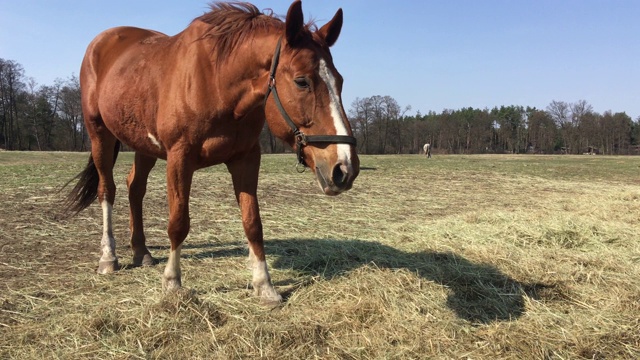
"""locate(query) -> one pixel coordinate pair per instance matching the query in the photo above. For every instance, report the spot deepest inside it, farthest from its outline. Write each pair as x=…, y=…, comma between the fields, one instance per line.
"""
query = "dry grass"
x=496, y=257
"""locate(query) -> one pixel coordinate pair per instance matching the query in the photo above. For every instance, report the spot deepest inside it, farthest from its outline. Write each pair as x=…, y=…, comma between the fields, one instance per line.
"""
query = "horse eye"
x=301, y=82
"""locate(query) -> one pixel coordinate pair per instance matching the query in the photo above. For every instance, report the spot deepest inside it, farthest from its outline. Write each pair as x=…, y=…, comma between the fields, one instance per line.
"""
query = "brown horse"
x=200, y=98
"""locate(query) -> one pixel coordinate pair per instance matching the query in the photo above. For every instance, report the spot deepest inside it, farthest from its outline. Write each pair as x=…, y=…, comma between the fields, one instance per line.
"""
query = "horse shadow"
x=204, y=250
x=478, y=293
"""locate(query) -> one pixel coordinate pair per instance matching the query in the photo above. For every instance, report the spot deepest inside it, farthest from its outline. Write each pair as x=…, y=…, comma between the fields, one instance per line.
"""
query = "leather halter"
x=301, y=138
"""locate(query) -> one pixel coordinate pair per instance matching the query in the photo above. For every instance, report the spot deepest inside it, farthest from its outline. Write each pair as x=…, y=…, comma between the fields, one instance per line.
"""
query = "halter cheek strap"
x=300, y=137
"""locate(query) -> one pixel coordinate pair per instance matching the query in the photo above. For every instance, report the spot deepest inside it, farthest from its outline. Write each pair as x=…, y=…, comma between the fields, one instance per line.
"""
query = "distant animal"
x=427, y=150
x=200, y=98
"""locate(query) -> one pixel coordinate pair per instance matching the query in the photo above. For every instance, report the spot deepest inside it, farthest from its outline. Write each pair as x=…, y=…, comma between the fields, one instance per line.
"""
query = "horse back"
x=114, y=45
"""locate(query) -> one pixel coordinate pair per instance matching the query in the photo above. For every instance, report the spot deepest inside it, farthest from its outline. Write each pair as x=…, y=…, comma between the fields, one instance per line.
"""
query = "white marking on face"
x=108, y=243
x=339, y=121
x=154, y=141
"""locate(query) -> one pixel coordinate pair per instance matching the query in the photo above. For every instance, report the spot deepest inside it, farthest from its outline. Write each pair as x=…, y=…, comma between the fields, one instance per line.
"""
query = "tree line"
x=49, y=117
x=382, y=127
x=39, y=117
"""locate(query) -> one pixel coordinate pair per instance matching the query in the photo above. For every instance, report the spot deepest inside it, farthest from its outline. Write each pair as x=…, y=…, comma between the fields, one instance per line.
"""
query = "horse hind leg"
x=137, y=185
x=105, y=151
x=96, y=181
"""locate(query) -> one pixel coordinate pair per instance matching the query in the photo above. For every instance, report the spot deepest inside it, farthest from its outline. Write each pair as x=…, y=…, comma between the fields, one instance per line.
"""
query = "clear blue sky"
x=432, y=55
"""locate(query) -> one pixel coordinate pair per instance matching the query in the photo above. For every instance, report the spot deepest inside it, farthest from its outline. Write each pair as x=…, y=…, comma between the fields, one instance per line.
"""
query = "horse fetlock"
x=261, y=282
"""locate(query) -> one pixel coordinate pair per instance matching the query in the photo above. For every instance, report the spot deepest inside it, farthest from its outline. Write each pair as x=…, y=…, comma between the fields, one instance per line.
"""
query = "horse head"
x=306, y=110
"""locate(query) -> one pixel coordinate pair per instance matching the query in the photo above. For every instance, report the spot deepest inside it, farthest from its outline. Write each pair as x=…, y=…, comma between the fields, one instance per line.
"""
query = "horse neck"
x=251, y=63
x=240, y=82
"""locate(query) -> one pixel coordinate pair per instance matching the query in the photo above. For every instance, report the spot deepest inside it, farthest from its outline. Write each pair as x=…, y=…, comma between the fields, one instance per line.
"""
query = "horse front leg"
x=179, y=177
x=244, y=173
x=137, y=185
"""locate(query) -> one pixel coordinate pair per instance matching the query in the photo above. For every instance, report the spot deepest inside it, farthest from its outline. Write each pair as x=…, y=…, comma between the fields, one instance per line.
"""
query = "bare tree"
x=32, y=112
x=361, y=118
x=580, y=109
x=70, y=114
x=11, y=88
x=560, y=112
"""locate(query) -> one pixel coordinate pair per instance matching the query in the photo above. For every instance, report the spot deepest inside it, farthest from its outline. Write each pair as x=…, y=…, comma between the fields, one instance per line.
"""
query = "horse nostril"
x=339, y=176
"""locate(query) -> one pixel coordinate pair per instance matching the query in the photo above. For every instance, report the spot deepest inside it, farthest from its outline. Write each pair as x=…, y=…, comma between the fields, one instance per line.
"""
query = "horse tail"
x=85, y=192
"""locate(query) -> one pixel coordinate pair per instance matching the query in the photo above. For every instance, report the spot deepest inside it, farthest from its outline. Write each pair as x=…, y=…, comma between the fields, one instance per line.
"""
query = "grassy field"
x=456, y=257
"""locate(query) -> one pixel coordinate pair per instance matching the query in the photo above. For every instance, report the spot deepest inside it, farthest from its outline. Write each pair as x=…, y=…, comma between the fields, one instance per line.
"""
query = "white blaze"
x=344, y=150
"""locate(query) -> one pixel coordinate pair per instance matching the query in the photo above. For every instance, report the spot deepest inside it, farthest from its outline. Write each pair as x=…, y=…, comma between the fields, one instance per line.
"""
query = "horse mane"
x=231, y=23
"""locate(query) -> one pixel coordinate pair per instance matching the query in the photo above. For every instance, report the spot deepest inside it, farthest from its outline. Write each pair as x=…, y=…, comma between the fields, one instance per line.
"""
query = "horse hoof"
x=107, y=267
x=269, y=297
x=271, y=302
x=144, y=260
x=171, y=285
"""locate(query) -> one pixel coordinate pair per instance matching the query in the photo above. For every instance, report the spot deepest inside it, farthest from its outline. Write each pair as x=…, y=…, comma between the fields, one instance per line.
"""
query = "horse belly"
x=226, y=146
x=141, y=140
x=131, y=115
x=218, y=150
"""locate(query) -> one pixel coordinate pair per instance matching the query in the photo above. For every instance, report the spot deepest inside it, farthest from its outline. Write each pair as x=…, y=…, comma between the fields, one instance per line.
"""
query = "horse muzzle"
x=338, y=178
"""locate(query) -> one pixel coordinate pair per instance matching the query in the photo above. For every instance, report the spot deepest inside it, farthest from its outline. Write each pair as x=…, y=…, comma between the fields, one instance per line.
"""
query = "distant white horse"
x=427, y=150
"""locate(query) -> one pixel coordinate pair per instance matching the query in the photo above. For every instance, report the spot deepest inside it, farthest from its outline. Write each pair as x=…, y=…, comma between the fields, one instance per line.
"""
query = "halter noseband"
x=301, y=138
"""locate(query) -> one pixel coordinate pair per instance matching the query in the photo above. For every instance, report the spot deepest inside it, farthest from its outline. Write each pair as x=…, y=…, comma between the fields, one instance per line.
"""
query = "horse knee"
x=178, y=230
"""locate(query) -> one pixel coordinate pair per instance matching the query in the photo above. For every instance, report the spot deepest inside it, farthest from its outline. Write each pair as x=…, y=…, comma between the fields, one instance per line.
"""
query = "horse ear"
x=331, y=30
x=294, y=22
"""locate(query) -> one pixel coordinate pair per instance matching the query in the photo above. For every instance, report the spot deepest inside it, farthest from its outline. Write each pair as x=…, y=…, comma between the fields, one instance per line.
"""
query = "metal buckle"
x=301, y=138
